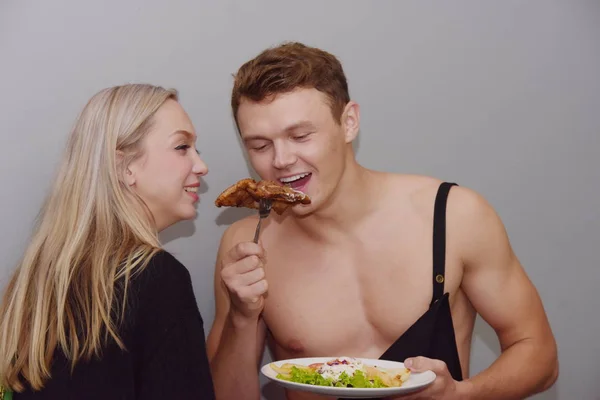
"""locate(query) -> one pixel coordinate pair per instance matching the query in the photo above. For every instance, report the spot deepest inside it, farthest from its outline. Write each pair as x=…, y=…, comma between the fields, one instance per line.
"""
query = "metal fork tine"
x=264, y=208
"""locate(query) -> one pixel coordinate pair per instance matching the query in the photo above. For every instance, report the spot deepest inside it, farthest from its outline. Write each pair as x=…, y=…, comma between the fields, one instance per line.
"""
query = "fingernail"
x=408, y=362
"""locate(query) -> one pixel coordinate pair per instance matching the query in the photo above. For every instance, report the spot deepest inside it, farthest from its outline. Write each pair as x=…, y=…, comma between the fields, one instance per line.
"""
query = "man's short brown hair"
x=289, y=66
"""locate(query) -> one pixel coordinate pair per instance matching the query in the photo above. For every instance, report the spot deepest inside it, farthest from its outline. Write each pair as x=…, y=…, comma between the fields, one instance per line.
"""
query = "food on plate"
x=342, y=372
x=247, y=193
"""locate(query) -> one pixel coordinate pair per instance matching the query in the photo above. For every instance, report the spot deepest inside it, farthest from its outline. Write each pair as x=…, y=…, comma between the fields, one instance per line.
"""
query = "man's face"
x=293, y=139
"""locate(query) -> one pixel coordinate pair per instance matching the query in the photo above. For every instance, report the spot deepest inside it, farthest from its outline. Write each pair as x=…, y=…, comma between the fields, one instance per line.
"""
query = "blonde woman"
x=96, y=309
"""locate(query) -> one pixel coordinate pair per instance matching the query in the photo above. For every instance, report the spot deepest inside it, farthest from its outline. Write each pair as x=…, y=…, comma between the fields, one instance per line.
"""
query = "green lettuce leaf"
x=358, y=380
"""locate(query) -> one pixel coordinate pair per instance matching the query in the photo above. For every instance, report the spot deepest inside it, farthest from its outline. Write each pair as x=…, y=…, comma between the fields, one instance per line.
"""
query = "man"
x=351, y=274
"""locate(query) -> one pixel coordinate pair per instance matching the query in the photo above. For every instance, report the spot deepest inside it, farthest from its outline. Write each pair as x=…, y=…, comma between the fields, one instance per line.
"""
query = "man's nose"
x=283, y=157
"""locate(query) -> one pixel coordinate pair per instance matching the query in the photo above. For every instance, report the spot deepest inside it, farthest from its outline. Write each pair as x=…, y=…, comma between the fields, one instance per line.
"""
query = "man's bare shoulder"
x=409, y=185
x=240, y=230
x=474, y=226
x=422, y=190
x=470, y=212
x=468, y=204
x=414, y=193
x=419, y=192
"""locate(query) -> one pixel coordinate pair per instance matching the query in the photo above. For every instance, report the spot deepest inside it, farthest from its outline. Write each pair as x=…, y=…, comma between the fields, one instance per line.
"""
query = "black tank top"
x=432, y=336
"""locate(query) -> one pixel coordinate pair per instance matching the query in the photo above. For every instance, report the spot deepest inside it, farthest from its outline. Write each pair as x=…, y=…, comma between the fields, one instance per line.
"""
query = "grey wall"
x=503, y=97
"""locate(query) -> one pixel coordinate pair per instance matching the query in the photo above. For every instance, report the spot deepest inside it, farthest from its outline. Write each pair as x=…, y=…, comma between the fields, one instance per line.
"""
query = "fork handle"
x=257, y=230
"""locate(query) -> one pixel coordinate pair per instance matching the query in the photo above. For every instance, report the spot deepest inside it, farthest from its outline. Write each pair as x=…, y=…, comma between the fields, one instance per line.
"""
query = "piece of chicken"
x=247, y=192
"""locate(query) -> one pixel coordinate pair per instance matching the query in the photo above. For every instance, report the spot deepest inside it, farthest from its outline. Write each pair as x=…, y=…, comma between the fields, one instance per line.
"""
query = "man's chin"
x=302, y=210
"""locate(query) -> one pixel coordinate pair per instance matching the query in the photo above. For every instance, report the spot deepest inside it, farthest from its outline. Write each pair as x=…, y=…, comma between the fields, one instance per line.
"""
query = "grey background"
x=503, y=97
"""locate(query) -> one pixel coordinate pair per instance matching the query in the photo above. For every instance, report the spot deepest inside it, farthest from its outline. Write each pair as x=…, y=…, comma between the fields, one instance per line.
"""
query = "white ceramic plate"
x=416, y=381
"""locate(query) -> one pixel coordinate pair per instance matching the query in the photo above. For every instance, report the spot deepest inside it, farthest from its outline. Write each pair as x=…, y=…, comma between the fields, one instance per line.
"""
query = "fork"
x=264, y=208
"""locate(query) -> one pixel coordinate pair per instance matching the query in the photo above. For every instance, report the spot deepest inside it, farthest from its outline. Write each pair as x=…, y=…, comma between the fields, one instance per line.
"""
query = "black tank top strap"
x=439, y=240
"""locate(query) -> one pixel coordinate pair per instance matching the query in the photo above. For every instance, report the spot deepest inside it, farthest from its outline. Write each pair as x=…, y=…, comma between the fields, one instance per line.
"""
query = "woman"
x=96, y=309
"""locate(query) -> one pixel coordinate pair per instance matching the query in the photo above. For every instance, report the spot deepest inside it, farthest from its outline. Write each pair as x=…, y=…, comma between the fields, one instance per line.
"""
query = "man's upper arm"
x=230, y=238
x=493, y=278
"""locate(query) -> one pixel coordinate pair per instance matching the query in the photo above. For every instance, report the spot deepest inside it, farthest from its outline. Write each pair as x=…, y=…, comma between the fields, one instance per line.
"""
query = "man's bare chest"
x=359, y=296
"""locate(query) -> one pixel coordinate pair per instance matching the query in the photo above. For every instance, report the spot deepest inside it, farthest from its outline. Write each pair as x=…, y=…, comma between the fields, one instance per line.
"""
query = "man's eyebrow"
x=290, y=128
x=184, y=132
x=254, y=137
x=299, y=125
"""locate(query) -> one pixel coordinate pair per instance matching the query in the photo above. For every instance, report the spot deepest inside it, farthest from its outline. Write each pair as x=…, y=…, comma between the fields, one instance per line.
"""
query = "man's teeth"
x=294, y=178
x=191, y=189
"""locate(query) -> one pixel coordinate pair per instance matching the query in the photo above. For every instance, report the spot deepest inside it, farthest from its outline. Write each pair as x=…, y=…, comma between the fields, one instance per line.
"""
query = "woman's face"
x=167, y=175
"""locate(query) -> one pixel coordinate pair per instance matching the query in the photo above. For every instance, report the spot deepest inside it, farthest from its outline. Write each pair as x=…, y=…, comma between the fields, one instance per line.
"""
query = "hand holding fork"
x=243, y=273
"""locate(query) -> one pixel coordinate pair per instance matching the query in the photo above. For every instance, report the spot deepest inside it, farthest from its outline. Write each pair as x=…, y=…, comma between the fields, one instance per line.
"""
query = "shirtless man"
x=351, y=274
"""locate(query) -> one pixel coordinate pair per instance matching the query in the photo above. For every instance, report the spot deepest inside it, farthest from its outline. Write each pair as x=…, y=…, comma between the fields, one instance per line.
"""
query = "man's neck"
x=355, y=197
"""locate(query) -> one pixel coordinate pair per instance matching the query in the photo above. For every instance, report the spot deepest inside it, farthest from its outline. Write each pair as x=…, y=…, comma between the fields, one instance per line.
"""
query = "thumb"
x=417, y=364
x=257, y=303
x=421, y=364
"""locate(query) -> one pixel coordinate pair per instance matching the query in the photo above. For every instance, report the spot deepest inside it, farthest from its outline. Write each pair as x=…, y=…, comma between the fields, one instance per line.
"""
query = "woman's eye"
x=182, y=147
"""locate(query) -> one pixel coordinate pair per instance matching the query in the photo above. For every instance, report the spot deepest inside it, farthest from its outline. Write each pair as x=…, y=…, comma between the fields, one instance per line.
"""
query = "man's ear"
x=351, y=121
x=125, y=173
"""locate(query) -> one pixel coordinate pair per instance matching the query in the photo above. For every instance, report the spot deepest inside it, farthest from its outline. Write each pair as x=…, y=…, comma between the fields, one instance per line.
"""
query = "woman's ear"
x=351, y=121
x=125, y=174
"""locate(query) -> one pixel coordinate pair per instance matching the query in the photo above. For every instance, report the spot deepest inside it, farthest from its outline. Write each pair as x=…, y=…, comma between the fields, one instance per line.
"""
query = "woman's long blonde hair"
x=92, y=231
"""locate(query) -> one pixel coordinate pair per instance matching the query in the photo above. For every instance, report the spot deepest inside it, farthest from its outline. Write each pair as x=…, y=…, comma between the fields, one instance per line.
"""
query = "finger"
x=250, y=263
x=420, y=364
x=245, y=249
x=253, y=293
x=251, y=277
